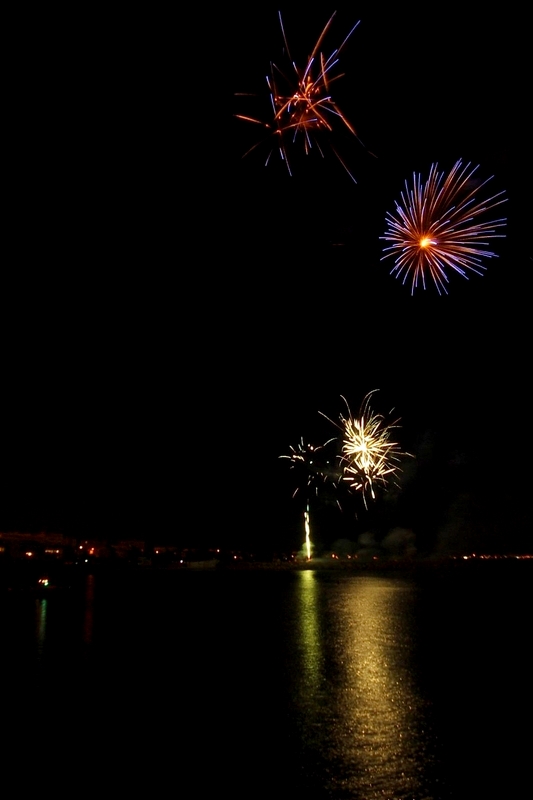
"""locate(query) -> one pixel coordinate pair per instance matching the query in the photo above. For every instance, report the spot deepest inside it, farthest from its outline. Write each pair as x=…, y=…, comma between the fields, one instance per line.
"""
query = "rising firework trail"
x=370, y=457
x=307, y=526
x=304, y=111
x=439, y=228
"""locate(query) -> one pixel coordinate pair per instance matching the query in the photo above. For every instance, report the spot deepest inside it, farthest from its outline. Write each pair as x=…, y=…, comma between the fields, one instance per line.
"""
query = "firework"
x=369, y=457
x=310, y=465
x=439, y=228
x=302, y=105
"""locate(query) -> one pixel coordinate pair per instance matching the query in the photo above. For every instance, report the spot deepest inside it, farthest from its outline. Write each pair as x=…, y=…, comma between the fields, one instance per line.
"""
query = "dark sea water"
x=302, y=684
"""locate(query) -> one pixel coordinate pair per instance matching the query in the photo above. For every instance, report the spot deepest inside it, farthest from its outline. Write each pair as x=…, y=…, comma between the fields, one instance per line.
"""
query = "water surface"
x=311, y=683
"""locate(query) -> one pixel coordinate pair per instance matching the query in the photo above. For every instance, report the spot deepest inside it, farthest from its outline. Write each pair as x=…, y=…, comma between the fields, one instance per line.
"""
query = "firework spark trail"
x=370, y=457
x=302, y=105
x=438, y=227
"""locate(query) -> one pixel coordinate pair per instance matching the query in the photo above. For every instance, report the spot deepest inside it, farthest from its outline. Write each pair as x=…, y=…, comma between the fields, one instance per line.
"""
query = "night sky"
x=174, y=316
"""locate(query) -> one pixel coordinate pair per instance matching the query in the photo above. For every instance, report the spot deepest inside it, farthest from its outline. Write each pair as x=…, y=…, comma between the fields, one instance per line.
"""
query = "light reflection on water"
x=41, y=606
x=309, y=633
x=360, y=710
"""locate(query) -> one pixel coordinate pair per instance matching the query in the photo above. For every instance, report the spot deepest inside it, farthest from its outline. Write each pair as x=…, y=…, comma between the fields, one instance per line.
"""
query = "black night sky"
x=174, y=316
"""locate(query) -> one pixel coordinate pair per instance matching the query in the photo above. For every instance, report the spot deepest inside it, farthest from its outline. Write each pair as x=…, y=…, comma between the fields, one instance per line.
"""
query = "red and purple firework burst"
x=439, y=227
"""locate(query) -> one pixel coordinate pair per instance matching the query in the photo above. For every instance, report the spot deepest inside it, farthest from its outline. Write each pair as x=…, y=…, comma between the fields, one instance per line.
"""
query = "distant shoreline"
x=42, y=577
x=429, y=566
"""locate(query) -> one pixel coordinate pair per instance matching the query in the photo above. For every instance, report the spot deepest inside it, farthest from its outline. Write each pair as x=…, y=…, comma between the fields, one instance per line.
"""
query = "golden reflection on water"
x=310, y=638
x=41, y=606
x=360, y=699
